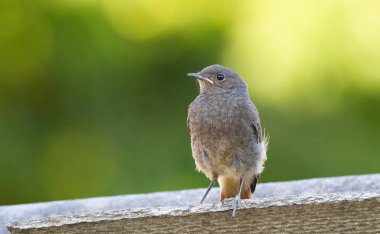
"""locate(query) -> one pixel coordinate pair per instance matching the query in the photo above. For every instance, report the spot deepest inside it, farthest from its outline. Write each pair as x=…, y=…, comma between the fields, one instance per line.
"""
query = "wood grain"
x=353, y=206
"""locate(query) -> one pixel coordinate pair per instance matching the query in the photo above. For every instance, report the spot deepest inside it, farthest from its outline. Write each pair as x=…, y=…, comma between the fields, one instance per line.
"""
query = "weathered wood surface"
x=341, y=204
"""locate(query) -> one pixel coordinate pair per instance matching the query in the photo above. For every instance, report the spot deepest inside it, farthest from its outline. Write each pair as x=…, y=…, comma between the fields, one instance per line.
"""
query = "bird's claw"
x=237, y=204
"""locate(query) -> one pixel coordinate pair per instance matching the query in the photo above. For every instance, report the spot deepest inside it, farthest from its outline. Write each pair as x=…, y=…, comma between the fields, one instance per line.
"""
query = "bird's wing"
x=254, y=121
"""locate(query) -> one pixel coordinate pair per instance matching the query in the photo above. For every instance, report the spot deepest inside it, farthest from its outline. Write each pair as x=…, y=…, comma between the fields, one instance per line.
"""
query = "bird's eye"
x=220, y=77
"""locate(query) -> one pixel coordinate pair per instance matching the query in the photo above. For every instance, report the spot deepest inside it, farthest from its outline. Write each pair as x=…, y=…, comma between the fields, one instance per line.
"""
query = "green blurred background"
x=94, y=96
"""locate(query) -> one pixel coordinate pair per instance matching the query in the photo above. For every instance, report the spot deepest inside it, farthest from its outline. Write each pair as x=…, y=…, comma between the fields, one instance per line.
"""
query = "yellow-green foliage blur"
x=94, y=94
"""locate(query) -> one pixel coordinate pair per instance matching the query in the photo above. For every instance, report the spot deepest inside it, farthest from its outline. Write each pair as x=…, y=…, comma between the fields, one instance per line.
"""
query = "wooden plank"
x=341, y=204
x=329, y=213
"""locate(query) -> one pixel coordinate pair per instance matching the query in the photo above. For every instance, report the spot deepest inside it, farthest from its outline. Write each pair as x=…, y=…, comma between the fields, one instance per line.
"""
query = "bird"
x=227, y=140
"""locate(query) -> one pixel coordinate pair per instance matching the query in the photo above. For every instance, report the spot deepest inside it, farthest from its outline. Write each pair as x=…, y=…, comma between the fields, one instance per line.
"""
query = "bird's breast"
x=215, y=118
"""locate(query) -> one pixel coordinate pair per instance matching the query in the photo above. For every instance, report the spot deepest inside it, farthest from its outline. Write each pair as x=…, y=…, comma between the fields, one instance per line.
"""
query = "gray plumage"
x=226, y=136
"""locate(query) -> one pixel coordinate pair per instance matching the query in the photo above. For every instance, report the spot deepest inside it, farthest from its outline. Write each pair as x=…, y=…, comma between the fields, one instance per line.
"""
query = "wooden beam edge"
x=140, y=213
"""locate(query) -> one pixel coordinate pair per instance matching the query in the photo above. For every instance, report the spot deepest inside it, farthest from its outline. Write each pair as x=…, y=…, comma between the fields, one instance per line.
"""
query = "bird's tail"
x=229, y=187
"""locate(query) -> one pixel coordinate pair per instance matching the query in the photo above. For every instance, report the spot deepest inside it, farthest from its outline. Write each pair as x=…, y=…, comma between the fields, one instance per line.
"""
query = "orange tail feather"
x=229, y=187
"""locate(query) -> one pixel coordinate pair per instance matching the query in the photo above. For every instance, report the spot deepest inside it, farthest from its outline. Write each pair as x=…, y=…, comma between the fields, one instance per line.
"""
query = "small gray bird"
x=227, y=142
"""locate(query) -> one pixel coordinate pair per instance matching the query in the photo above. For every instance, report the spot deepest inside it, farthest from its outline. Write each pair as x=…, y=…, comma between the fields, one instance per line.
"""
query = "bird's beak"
x=200, y=77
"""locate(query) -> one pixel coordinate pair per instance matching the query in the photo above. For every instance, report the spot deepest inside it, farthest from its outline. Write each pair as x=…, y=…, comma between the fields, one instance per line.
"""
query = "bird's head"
x=217, y=78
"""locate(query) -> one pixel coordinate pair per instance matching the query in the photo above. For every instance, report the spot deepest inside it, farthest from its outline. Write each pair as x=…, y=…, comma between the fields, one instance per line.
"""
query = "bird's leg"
x=208, y=190
x=237, y=198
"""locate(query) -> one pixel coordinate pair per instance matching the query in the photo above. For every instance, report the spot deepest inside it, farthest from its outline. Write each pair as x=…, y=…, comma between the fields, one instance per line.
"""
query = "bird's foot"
x=237, y=204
